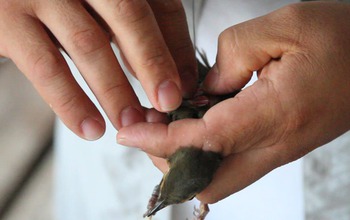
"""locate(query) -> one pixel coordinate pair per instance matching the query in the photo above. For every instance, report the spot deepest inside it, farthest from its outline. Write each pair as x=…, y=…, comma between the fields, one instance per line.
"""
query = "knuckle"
x=228, y=54
x=228, y=41
x=155, y=58
x=182, y=54
x=110, y=92
x=46, y=67
x=182, y=48
x=88, y=41
x=66, y=104
x=131, y=10
x=46, y=72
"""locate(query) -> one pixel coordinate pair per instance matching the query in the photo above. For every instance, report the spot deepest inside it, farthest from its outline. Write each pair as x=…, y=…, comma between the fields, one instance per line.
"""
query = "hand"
x=151, y=35
x=299, y=102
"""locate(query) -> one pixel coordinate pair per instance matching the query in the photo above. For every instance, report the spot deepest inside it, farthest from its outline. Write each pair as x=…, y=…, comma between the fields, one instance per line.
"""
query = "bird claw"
x=201, y=212
x=152, y=201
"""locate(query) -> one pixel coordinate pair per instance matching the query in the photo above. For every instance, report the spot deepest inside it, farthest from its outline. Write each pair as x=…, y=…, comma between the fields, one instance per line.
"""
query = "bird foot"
x=152, y=201
x=201, y=212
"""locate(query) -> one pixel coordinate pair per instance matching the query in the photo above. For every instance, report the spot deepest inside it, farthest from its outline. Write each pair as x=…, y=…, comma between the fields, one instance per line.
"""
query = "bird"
x=191, y=169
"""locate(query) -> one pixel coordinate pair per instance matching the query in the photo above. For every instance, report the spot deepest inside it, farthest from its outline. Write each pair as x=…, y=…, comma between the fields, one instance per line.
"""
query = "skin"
x=300, y=101
x=33, y=30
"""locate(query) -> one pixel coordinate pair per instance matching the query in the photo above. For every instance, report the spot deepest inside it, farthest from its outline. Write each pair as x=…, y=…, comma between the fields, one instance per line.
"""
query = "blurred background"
x=26, y=133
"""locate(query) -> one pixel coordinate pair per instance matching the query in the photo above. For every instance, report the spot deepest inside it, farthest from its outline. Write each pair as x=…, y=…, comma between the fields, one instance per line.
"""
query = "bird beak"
x=158, y=206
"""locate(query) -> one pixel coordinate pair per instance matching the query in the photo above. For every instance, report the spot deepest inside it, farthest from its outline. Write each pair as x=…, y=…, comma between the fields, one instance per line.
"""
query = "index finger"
x=139, y=38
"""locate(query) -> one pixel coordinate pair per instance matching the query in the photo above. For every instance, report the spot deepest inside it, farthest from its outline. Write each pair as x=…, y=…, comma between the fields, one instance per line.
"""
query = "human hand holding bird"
x=299, y=102
x=190, y=169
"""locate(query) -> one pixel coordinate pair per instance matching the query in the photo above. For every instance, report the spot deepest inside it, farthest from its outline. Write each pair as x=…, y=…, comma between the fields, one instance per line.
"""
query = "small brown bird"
x=190, y=168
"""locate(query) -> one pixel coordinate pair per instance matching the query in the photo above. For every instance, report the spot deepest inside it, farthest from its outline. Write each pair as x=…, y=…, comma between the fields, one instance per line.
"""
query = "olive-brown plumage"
x=190, y=168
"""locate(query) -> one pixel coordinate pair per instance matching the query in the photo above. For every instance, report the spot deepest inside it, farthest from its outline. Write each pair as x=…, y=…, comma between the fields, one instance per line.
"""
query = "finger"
x=90, y=50
x=240, y=170
x=161, y=140
x=38, y=58
x=231, y=126
x=154, y=116
x=242, y=49
x=172, y=22
x=139, y=38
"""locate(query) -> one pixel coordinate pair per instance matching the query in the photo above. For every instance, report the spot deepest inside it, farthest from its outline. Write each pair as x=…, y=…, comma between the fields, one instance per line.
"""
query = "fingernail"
x=123, y=140
x=92, y=129
x=169, y=96
x=211, y=79
x=130, y=115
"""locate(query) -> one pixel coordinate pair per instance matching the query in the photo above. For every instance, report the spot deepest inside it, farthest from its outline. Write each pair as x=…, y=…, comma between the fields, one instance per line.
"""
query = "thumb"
x=163, y=140
x=231, y=126
x=243, y=49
